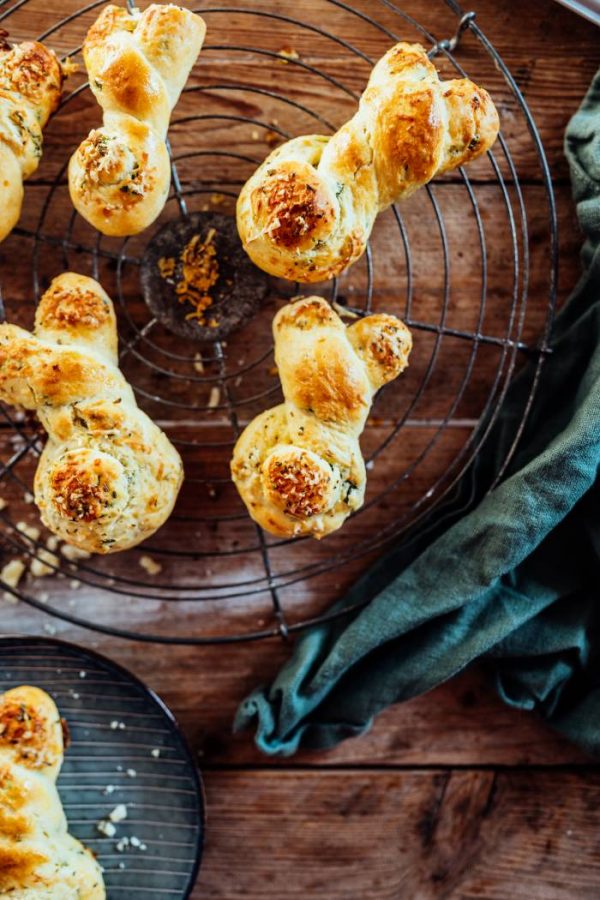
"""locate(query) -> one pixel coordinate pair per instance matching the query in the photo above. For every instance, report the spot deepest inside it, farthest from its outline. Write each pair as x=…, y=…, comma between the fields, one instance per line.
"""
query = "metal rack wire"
x=173, y=380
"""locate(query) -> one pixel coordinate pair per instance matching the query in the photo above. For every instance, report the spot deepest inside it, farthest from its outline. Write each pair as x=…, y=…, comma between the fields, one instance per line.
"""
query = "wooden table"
x=452, y=794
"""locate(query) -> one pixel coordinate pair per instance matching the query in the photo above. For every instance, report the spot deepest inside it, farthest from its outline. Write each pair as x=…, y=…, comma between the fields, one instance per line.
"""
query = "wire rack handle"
x=450, y=44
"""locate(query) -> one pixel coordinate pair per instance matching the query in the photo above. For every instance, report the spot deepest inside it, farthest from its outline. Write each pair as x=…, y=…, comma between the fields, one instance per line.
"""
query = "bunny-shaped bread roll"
x=31, y=80
x=138, y=64
x=108, y=476
x=298, y=467
x=307, y=212
x=39, y=859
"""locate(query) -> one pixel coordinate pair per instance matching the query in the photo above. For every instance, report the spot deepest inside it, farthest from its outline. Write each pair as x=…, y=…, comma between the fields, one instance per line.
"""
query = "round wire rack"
x=461, y=262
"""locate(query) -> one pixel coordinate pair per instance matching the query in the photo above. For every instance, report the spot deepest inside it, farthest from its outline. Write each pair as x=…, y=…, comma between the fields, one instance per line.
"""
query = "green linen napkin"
x=516, y=580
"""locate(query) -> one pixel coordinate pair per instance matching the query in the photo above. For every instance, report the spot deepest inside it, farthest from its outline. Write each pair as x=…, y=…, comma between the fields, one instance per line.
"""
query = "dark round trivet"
x=236, y=295
x=126, y=748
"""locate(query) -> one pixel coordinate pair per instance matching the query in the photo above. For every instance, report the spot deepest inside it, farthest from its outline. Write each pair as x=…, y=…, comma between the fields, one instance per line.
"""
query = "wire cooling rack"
x=455, y=261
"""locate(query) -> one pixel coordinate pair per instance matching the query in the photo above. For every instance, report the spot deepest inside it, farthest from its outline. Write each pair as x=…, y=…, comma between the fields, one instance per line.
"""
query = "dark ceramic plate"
x=116, y=723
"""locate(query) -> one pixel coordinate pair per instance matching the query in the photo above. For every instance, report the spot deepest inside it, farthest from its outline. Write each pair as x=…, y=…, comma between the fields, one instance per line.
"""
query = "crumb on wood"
x=287, y=53
x=150, y=565
x=44, y=563
x=11, y=574
x=73, y=553
x=30, y=531
x=272, y=138
x=214, y=398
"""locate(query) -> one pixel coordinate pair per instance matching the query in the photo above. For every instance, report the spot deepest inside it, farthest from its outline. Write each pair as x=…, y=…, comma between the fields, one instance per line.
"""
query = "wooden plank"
x=552, y=81
x=385, y=835
x=209, y=522
x=181, y=393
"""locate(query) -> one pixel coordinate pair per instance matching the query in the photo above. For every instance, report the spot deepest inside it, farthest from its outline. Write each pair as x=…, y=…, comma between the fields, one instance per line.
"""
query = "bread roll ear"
x=307, y=212
x=138, y=64
x=108, y=476
x=38, y=857
x=31, y=80
x=298, y=467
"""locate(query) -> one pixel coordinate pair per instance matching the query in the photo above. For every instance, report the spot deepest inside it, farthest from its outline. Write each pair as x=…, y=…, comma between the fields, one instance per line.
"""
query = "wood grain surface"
x=451, y=795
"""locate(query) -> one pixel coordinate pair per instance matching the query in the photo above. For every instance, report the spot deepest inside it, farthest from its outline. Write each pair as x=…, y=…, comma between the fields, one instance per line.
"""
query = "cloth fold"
x=515, y=580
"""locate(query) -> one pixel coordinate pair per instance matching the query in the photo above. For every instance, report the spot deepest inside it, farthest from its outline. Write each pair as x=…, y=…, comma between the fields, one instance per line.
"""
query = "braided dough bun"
x=31, y=80
x=307, y=212
x=138, y=64
x=298, y=467
x=39, y=859
x=108, y=476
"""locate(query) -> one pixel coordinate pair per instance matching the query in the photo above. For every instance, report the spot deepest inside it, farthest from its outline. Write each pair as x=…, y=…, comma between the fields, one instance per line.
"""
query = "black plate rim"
x=21, y=639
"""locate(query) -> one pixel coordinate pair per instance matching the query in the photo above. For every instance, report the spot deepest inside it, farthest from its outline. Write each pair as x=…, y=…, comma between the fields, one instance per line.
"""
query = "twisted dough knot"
x=108, y=476
x=38, y=857
x=298, y=466
x=137, y=64
x=31, y=80
x=307, y=212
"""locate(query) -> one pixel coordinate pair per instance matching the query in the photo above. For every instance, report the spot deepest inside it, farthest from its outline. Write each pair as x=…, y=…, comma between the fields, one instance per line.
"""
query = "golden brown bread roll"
x=31, y=80
x=298, y=467
x=307, y=212
x=138, y=64
x=108, y=476
x=39, y=859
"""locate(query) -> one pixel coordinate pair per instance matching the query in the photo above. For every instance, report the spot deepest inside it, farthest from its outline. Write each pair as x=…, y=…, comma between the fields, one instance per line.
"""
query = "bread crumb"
x=214, y=398
x=45, y=563
x=11, y=574
x=150, y=565
x=288, y=53
x=52, y=542
x=3, y=503
x=155, y=752
x=119, y=813
x=74, y=584
x=29, y=531
x=198, y=364
x=272, y=138
x=106, y=828
x=73, y=553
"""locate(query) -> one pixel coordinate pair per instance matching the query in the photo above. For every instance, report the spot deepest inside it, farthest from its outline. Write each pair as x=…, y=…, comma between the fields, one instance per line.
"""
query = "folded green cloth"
x=516, y=580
